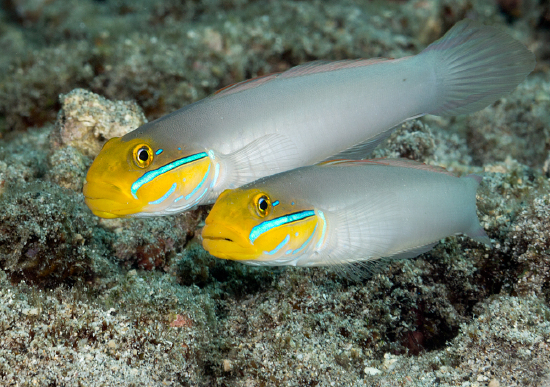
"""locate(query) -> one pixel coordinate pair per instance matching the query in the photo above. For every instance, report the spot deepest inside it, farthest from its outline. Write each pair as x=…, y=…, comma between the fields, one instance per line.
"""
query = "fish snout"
x=107, y=200
x=223, y=241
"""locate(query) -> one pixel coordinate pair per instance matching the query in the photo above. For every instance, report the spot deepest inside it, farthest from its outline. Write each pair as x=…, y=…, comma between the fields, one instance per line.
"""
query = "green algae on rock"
x=62, y=337
x=151, y=243
x=194, y=266
x=68, y=168
x=47, y=236
x=515, y=128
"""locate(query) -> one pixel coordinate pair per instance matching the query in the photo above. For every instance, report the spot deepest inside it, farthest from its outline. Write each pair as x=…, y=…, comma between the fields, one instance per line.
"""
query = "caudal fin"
x=476, y=232
x=475, y=65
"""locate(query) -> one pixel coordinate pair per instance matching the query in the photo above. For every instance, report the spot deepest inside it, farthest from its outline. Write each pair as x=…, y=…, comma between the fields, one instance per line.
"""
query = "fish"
x=343, y=212
x=308, y=114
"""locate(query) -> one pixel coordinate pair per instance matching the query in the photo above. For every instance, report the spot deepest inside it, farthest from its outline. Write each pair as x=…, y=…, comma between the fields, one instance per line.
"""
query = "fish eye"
x=143, y=155
x=262, y=205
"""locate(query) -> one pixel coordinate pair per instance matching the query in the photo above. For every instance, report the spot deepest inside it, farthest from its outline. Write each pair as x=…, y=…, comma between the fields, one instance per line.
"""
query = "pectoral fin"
x=267, y=155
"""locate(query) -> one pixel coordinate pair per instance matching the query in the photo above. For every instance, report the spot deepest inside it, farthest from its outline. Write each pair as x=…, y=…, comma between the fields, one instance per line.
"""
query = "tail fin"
x=475, y=65
x=476, y=232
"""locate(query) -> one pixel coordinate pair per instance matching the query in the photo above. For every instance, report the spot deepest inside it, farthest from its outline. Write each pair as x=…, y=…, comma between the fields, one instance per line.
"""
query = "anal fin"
x=414, y=252
x=362, y=150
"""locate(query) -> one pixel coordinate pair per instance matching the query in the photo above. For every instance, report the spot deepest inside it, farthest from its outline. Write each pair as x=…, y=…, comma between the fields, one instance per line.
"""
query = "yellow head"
x=251, y=224
x=139, y=178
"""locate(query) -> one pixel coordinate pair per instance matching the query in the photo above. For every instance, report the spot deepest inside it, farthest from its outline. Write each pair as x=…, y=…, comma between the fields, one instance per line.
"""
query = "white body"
x=314, y=116
x=316, y=111
x=374, y=211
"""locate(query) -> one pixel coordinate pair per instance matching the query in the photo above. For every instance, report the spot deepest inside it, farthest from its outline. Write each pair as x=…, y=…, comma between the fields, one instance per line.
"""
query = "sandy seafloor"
x=90, y=302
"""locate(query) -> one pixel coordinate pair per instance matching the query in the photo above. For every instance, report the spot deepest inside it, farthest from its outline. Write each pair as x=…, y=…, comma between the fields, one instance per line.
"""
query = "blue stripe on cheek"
x=159, y=152
x=216, y=174
x=279, y=246
x=269, y=224
x=165, y=196
x=306, y=242
x=199, y=185
x=149, y=176
x=324, y=230
x=201, y=195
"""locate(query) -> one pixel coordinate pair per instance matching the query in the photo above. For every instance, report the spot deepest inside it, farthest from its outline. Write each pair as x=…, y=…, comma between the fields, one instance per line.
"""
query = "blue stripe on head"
x=199, y=185
x=269, y=224
x=198, y=199
x=165, y=196
x=216, y=174
x=276, y=202
x=279, y=246
x=324, y=229
x=149, y=176
x=159, y=152
x=306, y=242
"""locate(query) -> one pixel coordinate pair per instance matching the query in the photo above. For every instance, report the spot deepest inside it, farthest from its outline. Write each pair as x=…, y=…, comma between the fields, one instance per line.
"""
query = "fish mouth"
x=106, y=200
x=222, y=241
x=107, y=208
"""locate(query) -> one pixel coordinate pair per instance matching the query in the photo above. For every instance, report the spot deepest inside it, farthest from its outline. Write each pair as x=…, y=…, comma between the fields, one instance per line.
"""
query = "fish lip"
x=106, y=208
x=107, y=200
x=101, y=187
x=223, y=241
x=220, y=231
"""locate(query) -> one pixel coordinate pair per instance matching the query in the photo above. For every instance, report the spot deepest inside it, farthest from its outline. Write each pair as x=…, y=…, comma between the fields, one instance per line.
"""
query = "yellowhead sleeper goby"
x=342, y=212
x=305, y=115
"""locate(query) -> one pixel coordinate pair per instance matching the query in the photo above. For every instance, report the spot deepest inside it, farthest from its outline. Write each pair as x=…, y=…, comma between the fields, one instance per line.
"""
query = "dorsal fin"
x=247, y=84
x=321, y=66
x=405, y=163
x=318, y=66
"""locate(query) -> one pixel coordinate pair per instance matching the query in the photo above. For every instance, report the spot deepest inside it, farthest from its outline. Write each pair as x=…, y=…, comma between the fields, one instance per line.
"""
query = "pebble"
x=371, y=371
x=227, y=365
x=494, y=383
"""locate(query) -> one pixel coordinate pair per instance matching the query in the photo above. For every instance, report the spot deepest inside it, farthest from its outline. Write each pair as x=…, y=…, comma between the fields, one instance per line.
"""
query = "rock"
x=86, y=121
